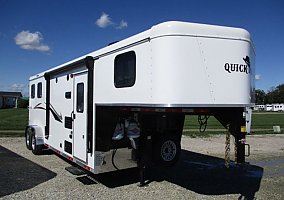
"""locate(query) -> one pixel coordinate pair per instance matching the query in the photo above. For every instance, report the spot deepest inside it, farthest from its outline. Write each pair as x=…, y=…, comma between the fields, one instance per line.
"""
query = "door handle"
x=73, y=116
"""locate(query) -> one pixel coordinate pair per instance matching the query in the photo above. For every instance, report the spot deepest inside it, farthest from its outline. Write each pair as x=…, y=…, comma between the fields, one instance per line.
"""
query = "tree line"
x=275, y=95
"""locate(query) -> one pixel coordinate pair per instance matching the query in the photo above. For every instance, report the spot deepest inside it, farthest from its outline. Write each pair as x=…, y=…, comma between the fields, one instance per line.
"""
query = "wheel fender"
x=38, y=134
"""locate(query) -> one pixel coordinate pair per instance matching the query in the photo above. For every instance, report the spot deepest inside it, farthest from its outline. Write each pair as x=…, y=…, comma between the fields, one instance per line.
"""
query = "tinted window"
x=33, y=91
x=80, y=97
x=125, y=69
x=39, y=90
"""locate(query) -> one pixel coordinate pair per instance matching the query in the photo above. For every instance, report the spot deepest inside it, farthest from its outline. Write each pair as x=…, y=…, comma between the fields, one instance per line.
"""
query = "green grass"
x=267, y=120
x=13, y=119
x=191, y=122
x=17, y=119
x=191, y=127
x=260, y=121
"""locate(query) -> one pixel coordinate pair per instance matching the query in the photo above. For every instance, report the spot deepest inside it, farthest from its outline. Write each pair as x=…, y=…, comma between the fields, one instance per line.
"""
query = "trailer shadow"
x=19, y=174
x=208, y=175
x=117, y=178
x=200, y=173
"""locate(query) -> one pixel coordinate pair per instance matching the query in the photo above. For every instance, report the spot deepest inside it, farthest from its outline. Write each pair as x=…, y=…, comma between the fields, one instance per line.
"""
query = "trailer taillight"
x=86, y=167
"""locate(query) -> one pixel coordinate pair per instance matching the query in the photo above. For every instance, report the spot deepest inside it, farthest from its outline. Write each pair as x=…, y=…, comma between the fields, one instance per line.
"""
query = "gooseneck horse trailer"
x=124, y=105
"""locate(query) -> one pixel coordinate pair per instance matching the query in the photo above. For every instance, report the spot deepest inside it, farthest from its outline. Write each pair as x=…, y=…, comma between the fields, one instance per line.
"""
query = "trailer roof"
x=171, y=28
x=199, y=30
x=11, y=94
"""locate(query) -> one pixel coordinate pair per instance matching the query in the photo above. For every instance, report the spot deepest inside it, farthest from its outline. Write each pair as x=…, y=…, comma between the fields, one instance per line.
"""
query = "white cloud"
x=257, y=77
x=122, y=24
x=104, y=21
x=17, y=87
x=31, y=41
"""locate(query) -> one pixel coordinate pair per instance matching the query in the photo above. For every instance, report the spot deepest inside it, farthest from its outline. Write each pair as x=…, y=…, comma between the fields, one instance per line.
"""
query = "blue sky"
x=37, y=35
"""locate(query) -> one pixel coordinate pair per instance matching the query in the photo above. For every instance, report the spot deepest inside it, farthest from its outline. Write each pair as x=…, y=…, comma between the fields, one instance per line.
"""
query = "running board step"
x=75, y=170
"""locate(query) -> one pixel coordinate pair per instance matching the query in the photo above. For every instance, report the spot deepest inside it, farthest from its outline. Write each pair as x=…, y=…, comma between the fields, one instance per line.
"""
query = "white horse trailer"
x=259, y=107
x=129, y=99
x=279, y=107
x=268, y=107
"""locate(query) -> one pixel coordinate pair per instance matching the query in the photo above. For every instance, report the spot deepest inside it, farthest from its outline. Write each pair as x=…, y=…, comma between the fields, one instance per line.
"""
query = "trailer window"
x=39, y=90
x=125, y=70
x=80, y=97
x=33, y=91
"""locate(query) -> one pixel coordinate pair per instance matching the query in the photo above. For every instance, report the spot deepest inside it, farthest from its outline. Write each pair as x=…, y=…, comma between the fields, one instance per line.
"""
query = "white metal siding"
x=140, y=92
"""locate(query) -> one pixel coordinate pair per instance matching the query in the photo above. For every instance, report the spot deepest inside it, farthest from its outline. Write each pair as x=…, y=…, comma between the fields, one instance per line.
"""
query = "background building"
x=9, y=99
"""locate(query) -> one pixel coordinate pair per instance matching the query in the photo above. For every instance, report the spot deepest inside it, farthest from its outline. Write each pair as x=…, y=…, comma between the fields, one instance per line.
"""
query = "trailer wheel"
x=167, y=151
x=36, y=149
x=28, y=134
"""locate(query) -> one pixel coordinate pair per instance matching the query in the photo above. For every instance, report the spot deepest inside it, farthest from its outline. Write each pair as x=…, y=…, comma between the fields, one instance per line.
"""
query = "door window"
x=80, y=97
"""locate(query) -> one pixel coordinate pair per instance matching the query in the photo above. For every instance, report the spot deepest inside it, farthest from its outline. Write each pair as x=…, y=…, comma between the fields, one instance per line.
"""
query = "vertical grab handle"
x=248, y=152
x=73, y=116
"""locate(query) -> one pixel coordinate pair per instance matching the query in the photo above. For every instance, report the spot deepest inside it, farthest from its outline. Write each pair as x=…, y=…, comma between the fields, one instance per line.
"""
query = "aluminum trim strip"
x=173, y=105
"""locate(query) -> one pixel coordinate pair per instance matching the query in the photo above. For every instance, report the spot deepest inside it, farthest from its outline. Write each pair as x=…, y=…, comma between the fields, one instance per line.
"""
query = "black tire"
x=36, y=149
x=167, y=151
x=28, y=133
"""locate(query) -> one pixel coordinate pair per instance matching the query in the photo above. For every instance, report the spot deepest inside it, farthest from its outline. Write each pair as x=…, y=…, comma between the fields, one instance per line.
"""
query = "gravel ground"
x=200, y=174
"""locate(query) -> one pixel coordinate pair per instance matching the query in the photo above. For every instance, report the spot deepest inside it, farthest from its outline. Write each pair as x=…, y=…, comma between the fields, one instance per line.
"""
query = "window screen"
x=33, y=91
x=125, y=69
x=80, y=97
x=39, y=90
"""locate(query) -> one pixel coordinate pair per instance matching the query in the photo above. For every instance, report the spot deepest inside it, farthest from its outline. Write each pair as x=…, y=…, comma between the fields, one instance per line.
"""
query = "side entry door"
x=80, y=116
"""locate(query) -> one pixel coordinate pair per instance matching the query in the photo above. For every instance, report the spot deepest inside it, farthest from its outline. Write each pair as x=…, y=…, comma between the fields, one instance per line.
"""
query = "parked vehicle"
x=268, y=107
x=259, y=107
x=125, y=104
x=279, y=107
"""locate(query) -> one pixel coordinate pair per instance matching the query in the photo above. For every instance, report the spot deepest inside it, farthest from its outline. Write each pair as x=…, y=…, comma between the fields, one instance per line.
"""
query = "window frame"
x=120, y=71
x=39, y=90
x=80, y=99
x=32, y=91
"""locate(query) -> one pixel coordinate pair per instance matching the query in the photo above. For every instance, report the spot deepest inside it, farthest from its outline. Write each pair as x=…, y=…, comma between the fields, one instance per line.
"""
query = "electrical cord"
x=112, y=158
x=202, y=120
